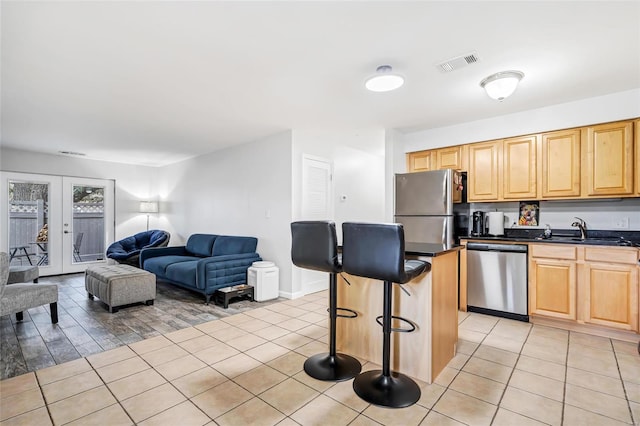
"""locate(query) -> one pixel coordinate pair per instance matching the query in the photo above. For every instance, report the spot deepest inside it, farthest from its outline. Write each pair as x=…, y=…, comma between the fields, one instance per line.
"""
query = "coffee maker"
x=477, y=224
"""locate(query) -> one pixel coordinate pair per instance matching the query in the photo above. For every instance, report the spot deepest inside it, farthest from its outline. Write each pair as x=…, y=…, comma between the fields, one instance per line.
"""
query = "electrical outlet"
x=621, y=223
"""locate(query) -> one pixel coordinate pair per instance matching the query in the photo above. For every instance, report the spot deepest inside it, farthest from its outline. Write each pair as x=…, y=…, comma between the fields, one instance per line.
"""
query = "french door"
x=62, y=224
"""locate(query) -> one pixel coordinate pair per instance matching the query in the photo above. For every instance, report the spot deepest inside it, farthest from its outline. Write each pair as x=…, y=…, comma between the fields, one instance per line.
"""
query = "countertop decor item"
x=529, y=213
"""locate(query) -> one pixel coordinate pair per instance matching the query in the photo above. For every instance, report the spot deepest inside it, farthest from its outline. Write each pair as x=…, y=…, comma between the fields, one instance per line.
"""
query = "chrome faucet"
x=582, y=225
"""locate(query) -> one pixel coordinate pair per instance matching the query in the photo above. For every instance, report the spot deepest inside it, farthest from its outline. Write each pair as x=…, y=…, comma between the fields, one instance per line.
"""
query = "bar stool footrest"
x=353, y=313
x=337, y=368
x=394, y=391
x=400, y=330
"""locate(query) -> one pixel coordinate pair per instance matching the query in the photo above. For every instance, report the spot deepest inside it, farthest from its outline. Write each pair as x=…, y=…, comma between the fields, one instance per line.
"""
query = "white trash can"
x=265, y=278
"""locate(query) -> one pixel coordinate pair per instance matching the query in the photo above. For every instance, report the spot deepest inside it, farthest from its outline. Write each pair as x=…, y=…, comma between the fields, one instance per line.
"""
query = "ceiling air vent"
x=458, y=62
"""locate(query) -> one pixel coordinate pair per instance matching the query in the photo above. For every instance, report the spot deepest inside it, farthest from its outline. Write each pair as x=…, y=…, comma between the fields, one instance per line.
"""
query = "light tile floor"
x=246, y=369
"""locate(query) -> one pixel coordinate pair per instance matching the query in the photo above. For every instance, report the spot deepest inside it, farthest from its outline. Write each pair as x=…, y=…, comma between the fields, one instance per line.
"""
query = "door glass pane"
x=28, y=223
x=88, y=223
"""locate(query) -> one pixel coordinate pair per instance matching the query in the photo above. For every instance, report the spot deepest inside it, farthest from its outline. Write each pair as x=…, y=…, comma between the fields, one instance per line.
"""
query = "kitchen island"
x=431, y=303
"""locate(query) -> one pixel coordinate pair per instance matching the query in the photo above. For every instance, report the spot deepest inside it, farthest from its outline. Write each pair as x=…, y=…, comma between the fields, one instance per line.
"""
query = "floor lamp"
x=148, y=207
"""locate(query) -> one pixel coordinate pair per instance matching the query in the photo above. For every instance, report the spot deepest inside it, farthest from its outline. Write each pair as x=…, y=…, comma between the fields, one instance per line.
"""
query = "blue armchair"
x=128, y=250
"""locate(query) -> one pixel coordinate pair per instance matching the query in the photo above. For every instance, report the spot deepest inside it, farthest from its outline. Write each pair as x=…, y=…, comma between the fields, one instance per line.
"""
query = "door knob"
x=66, y=232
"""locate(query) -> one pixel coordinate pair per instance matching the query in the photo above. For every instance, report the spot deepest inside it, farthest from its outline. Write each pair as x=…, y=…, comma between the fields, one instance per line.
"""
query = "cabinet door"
x=449, y=158
x=636, y=132
x=611, y=295
x=519, y=167
x=609, y=159
x=484, y=169
x=420, y=161
x=560, y=166
x=552, y=288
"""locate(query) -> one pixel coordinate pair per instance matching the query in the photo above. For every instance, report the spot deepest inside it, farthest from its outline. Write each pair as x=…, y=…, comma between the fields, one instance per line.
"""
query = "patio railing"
x=26, y=218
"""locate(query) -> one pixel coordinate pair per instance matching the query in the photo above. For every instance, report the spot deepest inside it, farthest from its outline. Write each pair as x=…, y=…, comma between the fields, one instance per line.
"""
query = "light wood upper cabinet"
x=608, y=159
x=636, y=132
x=484, y=171
x=589, y=162
x=560, y=164
x=519, y=174
x=420, y=161
x=449, y=158
x=452, y=157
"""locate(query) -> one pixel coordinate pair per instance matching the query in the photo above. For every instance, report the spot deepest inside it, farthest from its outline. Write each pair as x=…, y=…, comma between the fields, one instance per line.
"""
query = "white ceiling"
x=154, y=82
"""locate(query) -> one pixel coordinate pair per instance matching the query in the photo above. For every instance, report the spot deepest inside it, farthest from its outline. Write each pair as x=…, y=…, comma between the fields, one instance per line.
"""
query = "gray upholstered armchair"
x=17, y=298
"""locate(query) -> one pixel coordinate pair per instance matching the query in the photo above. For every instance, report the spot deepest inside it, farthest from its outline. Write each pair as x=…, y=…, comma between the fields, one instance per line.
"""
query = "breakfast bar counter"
x=431, y=304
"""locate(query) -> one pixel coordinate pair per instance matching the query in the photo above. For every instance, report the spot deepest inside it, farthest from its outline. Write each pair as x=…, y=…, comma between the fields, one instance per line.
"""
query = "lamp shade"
x=501, y=85
x=385, y=80
x=148, y=207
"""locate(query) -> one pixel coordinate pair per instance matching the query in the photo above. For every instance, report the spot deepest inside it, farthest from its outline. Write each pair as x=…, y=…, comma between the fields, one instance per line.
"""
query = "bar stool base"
x=395, y=391
x=337, y=368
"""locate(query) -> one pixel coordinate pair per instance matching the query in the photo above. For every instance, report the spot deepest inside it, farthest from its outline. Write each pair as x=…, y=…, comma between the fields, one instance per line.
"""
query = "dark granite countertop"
x=429, y=249
x=567, y=236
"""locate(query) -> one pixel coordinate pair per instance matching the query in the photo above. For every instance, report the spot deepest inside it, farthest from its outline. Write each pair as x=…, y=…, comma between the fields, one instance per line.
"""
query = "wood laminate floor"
x=85, y=327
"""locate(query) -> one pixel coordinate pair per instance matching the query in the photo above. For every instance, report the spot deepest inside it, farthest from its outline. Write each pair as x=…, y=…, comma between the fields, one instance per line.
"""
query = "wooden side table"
x=224, y=295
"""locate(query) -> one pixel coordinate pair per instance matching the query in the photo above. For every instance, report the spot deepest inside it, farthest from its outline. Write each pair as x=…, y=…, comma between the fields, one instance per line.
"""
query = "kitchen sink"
x=612, y=241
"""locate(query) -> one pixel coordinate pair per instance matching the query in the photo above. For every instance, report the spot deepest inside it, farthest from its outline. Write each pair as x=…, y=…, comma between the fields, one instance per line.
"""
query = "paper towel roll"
x=496, y=223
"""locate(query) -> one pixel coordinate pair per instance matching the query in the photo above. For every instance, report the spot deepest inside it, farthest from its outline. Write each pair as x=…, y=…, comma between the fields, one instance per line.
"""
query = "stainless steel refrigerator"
x=424, y=204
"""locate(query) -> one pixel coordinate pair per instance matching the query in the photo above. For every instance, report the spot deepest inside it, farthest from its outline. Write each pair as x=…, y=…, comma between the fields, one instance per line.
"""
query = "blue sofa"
x=205, y=264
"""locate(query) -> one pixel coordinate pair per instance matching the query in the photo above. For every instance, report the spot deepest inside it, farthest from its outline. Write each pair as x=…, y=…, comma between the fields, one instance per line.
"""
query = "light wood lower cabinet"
x=552, y=280
x=610, y=289
x=552, y=288
x=585, y=284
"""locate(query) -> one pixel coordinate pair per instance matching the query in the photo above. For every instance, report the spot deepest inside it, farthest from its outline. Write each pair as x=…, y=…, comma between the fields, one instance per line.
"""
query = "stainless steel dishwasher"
x=497, y=280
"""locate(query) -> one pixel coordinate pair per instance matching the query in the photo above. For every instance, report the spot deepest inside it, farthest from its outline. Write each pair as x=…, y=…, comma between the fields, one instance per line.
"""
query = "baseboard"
x=316, y=286
x=312, y=287
x=627, y=336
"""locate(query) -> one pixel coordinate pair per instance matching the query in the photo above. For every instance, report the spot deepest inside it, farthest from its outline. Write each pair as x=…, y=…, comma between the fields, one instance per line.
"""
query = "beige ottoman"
x=118, y=285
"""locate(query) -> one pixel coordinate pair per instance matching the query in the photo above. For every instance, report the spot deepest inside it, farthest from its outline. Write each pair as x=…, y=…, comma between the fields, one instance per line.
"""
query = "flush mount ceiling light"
x=385, y=80
x=501, y=85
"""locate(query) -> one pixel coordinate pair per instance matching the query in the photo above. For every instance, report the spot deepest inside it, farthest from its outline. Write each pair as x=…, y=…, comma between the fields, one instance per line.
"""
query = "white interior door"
x=317, y=204
x=40, y=220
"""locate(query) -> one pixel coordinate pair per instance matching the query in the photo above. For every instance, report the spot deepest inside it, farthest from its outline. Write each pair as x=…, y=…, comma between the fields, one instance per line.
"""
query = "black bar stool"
x=314, y=245
x=376, y=251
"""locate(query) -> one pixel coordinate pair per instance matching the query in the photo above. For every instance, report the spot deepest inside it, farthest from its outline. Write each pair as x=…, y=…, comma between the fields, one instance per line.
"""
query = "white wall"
x=358, y=172
x=243, y=190
x=133, y=183
x=612, y=107
x=395, y=162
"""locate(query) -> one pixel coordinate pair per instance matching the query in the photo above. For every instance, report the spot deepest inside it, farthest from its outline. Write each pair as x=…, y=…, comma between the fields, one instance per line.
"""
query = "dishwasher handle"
x=515, y=248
